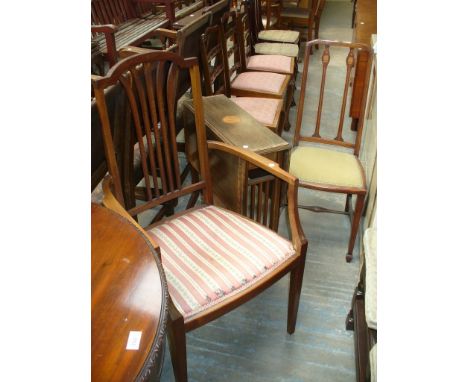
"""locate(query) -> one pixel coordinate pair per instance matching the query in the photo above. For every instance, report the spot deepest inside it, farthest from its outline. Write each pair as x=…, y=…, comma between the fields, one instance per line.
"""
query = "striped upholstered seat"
x=210, y=254
x=271, y=63
x=264, y=110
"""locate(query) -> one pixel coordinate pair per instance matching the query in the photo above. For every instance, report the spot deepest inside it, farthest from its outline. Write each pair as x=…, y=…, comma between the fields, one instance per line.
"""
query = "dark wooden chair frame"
x=360, y=192
x=216, y=80
x=311, y=22
x=158, y=109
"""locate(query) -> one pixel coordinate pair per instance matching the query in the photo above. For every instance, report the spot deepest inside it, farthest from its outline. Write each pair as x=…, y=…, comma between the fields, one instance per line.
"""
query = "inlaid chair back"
x=149, y=84
x=213, y=65
x=328, y=61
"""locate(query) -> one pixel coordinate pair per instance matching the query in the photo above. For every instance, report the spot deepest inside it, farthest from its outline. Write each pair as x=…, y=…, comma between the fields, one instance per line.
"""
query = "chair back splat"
x=349, y=62
x=149, y=82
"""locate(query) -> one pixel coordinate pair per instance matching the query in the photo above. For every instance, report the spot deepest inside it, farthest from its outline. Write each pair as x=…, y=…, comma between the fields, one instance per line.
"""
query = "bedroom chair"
x=317, y=165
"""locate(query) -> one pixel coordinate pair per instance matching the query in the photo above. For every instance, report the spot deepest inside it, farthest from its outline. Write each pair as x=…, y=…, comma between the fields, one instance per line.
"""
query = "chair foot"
x=349, y=257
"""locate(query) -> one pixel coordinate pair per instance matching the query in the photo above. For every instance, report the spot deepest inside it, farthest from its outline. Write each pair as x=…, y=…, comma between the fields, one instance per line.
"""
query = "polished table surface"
x=232, y=124
x=129, y=300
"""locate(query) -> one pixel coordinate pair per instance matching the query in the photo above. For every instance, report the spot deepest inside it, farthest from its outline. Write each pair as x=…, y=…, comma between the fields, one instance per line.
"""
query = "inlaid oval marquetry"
x=129, y=294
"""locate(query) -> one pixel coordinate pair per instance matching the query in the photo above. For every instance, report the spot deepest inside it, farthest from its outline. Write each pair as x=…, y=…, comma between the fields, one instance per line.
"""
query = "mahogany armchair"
x=214, y=260
x=320, y=168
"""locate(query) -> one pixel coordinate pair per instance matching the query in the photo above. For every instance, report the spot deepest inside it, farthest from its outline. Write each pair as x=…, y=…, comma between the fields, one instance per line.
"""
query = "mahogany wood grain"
x=129, y=293
x=164, y=96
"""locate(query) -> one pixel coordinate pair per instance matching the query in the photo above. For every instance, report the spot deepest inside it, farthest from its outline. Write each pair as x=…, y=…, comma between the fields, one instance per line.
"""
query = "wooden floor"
x=251, y=343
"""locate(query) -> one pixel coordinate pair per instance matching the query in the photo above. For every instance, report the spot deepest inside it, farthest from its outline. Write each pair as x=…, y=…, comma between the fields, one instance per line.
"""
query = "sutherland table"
x=129, y=299
x=228, y=123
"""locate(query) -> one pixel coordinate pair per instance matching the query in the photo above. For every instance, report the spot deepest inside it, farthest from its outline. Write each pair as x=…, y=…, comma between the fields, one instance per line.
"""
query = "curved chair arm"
x=110, y=201
x=297, y=234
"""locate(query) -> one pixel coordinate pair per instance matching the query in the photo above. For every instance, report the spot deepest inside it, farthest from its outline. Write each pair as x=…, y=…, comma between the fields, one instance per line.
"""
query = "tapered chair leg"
x=355, y=226
x=177, y=345
x=295, y=286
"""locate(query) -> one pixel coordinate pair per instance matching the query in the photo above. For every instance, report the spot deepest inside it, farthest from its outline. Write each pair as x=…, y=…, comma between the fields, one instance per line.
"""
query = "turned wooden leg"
x=355, y=226
x=177, y=344
x=295, y=286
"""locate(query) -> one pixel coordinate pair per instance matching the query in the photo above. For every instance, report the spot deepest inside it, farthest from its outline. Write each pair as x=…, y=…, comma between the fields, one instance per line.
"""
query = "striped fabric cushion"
x=290, y=50
x=271, y=63
x=259, y=81
x=278, y=35
x=211, y=254
x=264, y=110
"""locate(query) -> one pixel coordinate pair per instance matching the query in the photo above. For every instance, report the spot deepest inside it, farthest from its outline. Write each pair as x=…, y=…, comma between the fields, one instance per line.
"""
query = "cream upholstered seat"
x=264, y=110
x=278, y=35
x=259, y=81
x=317, y=165
x=210, y=254
x=271, y=63
x=290, y=50
x=370, y=252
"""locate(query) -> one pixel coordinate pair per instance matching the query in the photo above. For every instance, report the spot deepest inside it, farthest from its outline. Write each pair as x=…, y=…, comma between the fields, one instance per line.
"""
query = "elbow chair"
x=214, y=260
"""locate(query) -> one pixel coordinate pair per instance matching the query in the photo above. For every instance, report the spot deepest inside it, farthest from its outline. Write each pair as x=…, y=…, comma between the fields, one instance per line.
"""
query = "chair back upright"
x=188, y=41
x=244, y=36
x=149, y=83
x=332, y=96
x=231, y=45
x=213, y=62
x=217, y=9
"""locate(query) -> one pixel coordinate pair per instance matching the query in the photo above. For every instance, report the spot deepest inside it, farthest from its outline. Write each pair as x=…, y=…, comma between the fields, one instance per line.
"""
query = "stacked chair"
x=268, y=111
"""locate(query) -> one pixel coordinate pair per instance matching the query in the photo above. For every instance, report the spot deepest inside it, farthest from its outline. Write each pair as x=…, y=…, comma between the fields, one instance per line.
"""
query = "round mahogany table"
x=128, y=301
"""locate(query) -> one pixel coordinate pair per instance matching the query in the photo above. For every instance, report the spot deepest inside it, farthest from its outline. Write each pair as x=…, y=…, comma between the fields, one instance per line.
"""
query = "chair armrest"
x=167, y=33
x=105, y=28
x=298, y=238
